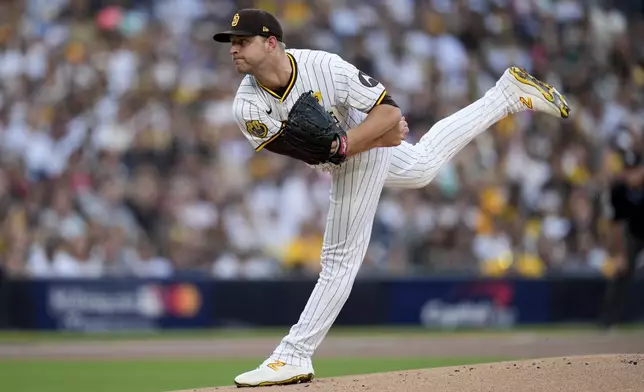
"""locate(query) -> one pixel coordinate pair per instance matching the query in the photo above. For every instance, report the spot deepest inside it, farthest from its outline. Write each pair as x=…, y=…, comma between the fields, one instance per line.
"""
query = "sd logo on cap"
x=251, y=22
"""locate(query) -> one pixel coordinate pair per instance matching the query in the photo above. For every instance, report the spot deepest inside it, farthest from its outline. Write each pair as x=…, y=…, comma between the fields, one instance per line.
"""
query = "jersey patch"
x=367, y=80
x=257, y=128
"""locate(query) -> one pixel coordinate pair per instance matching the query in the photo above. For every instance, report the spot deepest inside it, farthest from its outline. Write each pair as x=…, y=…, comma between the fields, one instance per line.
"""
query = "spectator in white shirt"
x=61, y=213
x=146, y=262
x=493, y=246
x=250, y=265
x=77, y=258
x=40, y=263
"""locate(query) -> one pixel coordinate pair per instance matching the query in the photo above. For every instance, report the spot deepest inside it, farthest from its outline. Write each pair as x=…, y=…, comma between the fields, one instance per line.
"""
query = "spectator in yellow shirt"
x=302, y=255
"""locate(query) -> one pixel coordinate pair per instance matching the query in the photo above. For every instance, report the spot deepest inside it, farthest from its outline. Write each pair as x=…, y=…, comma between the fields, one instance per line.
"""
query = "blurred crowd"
x=119, y=155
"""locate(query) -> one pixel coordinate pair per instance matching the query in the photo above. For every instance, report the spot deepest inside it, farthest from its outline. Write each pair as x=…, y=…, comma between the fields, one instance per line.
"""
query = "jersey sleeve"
x=255, y=123
x=354, y=88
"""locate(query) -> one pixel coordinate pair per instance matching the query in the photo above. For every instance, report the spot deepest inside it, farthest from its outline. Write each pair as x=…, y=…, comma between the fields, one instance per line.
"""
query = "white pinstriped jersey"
x=340, y=87
x=356, y=185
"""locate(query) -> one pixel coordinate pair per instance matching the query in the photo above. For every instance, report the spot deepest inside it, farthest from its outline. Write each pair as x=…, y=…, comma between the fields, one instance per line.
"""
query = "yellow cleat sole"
x=548, y=92
x=301, y=379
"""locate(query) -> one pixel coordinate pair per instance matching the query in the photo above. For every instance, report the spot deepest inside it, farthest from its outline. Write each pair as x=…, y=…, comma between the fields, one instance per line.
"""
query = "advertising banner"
x=474, y=303
x=280, y=303
x=127, y=305
x=113, y=305
x=582, y=300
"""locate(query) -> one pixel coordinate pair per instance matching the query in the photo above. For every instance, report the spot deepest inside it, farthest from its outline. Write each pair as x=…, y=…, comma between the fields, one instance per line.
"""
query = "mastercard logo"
x=182, y=300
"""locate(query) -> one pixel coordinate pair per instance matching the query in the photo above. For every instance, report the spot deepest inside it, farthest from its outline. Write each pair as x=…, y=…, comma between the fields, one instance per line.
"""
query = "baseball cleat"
x=536, y=95
x=275, y=373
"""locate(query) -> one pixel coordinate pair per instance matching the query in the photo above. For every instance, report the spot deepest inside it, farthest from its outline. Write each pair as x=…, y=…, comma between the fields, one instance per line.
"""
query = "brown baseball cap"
x=251, y=22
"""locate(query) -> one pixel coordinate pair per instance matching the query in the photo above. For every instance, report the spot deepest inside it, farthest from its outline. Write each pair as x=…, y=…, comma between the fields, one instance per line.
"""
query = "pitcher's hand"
x=395, y=135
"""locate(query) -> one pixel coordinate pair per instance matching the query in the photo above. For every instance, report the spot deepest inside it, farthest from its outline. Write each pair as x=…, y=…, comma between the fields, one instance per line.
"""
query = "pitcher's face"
x=248, y=52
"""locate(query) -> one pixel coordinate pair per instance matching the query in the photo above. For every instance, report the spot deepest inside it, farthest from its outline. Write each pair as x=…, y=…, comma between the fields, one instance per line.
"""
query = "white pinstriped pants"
x=355, y=192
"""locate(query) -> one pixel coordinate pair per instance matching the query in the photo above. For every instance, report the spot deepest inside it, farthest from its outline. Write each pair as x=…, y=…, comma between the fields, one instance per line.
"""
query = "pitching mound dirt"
x=601, y=373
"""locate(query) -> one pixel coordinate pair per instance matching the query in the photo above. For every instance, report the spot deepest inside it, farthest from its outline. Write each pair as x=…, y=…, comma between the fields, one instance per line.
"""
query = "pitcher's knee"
x=426, y=181
x=343, y=266
x=429, y=174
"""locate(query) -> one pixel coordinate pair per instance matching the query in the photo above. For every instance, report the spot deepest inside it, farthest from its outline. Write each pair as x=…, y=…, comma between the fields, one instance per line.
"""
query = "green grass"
x=37, y=336
x=167, y=375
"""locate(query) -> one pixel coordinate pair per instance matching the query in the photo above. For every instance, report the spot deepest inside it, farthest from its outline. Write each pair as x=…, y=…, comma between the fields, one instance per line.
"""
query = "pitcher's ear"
x=272, y=42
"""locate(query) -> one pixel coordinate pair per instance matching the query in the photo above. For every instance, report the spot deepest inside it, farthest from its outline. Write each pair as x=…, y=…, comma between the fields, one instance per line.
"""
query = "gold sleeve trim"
x=380, y=98
x=261, y=146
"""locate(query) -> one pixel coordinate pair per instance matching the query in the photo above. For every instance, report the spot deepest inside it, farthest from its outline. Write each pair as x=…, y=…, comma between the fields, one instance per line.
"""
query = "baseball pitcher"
x=317, y=108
